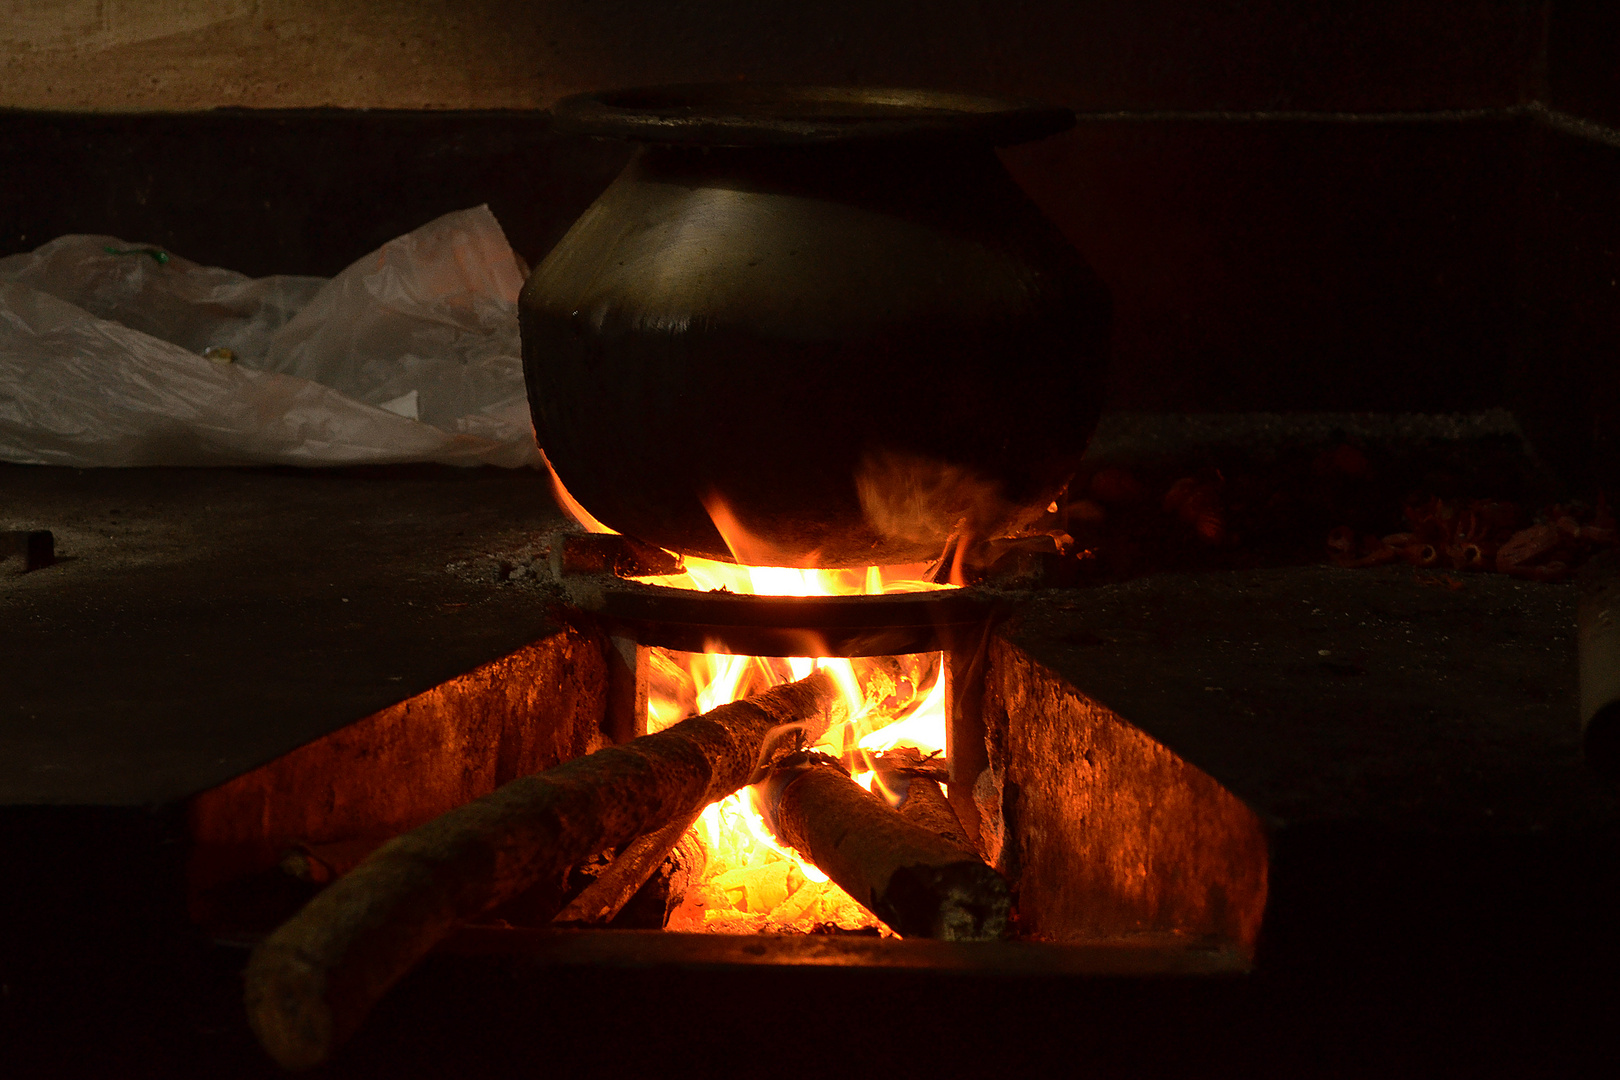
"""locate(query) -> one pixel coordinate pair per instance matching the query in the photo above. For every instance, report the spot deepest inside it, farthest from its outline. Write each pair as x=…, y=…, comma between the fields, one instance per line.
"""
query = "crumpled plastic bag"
x=410, y=354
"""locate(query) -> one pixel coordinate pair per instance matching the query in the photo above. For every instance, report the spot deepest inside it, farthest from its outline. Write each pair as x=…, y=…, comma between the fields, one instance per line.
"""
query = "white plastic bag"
x=410, y=354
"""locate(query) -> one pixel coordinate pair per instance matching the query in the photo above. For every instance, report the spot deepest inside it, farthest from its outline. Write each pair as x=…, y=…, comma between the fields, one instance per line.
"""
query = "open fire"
x=753, y=882
x=770, y=777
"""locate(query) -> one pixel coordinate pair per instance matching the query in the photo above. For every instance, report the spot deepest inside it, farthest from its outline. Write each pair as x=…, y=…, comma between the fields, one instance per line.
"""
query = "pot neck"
x=906, y=177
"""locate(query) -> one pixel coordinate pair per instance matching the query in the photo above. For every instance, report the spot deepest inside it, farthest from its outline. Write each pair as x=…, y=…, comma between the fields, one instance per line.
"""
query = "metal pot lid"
x=766, y=114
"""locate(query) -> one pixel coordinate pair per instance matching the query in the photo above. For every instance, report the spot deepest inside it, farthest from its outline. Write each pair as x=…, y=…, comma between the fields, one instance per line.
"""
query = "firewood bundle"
x=312, y=981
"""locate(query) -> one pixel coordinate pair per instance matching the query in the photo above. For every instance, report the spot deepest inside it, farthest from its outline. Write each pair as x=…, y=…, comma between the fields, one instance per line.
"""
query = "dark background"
x=1313, y=205
x=1351, y=206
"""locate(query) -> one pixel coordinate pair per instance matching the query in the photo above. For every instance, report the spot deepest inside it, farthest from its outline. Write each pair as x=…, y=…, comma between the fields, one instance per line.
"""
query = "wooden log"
x=609, y=553
x=919, y=883
x=925, y=806
x=904, y=762
x=311, y=982
x=605, y=897
x=924, y=803
x=681, y=871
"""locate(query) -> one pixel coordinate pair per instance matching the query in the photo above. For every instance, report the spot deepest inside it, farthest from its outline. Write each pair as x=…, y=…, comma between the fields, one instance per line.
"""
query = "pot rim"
x=745, y=114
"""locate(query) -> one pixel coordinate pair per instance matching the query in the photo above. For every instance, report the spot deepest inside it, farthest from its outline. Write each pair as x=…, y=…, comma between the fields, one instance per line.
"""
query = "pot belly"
x=841, y=453
x=858, y=353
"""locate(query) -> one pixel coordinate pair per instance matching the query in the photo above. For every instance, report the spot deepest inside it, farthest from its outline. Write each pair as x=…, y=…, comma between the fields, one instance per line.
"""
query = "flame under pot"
x=837, y=315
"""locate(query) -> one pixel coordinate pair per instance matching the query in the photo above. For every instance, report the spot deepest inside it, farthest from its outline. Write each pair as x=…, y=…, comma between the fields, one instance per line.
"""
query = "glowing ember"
x=753, y=883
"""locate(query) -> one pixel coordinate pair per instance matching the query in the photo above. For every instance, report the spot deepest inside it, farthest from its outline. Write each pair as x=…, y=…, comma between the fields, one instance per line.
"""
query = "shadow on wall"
x=498, y=54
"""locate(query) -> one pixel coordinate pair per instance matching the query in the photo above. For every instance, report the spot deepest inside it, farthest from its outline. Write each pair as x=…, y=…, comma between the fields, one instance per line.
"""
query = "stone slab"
x=201, y=622
x=1414, y=700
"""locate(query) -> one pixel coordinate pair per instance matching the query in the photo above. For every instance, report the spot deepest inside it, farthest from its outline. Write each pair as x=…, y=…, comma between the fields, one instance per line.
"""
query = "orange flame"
x=570, y=505
x=753, y=882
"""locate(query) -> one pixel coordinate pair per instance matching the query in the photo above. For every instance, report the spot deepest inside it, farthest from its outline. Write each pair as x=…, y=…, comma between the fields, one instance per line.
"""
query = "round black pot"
x=831, y=311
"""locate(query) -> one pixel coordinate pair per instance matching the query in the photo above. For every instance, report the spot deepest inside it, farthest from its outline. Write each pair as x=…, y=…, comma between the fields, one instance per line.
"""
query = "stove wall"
x=338, y=797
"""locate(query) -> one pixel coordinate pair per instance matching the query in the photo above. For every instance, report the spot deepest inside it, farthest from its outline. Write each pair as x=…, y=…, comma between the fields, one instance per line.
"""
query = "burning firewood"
x=919, y=883
x=924, y=802
x=634, y=867
x=311, y=982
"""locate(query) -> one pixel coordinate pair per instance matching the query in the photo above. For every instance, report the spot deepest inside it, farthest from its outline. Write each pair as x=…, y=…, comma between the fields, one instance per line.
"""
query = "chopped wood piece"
x=919, y=883
x=925, y=805
x=610, y=553
x=655, y=903
x=924, y=802
x=628, y=872
x=897, y=685
x=904, y=762
x=311, y=982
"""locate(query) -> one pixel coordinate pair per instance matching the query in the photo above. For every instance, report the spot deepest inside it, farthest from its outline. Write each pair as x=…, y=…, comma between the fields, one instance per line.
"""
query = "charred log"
x=919, y=883
x=925, y=806
x=680, y=872
x=924, y=803
x=604, y=898
x=609, y=553
x=310, y=983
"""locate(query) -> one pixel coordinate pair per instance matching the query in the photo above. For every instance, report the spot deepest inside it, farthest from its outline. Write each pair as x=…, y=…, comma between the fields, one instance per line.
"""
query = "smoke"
x=920, y=500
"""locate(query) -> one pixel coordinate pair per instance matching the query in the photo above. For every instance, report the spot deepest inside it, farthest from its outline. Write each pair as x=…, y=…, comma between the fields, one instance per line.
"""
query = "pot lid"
x=766, y=114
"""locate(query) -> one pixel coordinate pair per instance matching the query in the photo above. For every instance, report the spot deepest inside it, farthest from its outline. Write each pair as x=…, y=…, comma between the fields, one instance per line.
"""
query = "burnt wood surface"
x=312, y=981
x=919, y=883
x=922, y=800
x=630, y=869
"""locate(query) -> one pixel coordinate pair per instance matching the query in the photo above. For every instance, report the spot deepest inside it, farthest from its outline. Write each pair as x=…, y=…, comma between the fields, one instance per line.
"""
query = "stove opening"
x=752, y=881
x=891, y=740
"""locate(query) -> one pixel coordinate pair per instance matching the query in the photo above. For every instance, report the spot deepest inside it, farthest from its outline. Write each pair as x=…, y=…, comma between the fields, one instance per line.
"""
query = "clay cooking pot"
x=830, y=310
